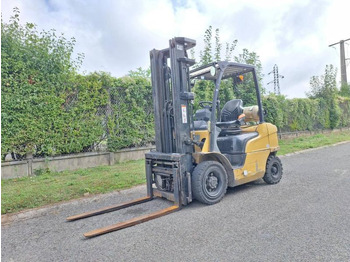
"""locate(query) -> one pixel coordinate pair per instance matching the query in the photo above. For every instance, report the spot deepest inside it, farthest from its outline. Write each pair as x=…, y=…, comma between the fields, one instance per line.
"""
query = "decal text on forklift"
x=184, y=114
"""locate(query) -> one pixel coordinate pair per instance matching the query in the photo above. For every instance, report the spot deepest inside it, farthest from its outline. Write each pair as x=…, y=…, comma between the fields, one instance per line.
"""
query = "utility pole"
x=276, y=80
x=342, y=61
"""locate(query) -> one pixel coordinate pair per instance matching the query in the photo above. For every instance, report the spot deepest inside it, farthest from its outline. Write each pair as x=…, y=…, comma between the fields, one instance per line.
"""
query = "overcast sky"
x=116, y=36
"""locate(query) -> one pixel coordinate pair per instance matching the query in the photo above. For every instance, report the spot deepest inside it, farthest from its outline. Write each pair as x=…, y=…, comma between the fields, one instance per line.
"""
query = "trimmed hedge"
x=131, y=119
x=47, y=108
x=299, y=114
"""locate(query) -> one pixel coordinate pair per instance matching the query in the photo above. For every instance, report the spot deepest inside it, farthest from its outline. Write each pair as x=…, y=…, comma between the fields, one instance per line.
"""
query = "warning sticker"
x=179, y=47
x=184, y=114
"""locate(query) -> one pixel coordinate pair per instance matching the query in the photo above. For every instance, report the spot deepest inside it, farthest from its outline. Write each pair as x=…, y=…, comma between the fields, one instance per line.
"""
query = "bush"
x=47, y=108
x=344, y=107
x=299, y=114
x=131, y=122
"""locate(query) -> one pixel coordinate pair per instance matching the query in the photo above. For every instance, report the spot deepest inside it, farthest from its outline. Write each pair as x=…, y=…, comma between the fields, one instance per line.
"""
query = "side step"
x=131, y=222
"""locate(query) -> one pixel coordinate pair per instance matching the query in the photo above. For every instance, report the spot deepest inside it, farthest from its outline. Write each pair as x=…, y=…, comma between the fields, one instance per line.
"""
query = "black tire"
x=209, y=182
x=274, y=170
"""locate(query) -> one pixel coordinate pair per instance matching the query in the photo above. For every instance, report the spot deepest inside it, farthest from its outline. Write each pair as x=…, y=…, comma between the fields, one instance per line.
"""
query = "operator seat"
x=230, y=124
x=232, y=110
x=231, y=141
x=202, y=117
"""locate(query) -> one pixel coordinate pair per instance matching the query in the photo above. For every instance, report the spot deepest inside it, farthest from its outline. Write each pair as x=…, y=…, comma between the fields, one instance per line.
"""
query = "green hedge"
x=344, y=106
x=131, y=120
x=47, y=108
x=299, y=114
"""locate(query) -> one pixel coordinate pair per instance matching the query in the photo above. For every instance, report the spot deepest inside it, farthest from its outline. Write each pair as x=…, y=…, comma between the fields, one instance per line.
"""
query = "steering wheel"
x=205, y=104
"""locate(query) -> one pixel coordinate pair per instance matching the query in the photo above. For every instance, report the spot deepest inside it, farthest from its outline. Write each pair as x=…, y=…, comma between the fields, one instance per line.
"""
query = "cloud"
x=302, y=20
x=116, y=36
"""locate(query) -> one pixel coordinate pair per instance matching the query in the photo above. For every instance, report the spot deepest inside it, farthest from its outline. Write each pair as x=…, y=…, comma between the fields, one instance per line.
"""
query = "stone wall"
x=29, y=167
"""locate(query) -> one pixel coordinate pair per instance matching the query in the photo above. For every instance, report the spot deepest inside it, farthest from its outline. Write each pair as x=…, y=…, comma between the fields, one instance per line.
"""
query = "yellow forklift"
x=199, y=155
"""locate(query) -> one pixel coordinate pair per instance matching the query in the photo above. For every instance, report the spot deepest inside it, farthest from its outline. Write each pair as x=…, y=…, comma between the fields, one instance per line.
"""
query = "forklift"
x=200, y=154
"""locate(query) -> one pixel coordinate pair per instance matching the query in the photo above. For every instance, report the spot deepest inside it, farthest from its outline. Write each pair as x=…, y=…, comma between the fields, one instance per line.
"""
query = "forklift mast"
x=169, y=167
x=172, y=96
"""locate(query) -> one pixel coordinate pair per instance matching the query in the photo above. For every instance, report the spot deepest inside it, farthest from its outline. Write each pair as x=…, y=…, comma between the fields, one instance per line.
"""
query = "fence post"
x=111, y=158
x=30, y=163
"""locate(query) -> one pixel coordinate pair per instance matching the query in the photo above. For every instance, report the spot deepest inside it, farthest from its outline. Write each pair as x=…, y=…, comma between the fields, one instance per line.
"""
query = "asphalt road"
x=306, y=217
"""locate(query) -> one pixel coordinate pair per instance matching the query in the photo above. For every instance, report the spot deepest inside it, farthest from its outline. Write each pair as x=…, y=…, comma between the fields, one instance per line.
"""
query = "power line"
x=276, y=80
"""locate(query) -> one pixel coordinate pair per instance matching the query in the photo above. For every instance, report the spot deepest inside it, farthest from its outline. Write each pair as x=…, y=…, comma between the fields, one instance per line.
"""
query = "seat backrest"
x=232, y=110
x=202, y=114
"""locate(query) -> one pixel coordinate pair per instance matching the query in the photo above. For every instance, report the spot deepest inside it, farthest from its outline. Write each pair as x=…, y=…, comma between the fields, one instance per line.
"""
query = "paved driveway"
x=306, y=217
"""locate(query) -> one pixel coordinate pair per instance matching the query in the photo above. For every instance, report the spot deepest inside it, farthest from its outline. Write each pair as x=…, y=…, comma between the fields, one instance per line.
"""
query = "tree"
x=209, y=55
x=140, y=72
x=246, y=90
x=345, y=90
x=204, y=89
x=324, y=87
x=218, y=45
x=206, y=55
x=230, y=47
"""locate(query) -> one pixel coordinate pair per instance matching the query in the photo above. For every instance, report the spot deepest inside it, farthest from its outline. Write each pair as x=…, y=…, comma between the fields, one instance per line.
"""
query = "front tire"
x=274, y=170
x=209, y=182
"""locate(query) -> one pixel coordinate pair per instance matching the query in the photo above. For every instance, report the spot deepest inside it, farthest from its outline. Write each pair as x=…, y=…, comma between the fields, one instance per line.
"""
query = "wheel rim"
x=275, y=169
x=212, y=185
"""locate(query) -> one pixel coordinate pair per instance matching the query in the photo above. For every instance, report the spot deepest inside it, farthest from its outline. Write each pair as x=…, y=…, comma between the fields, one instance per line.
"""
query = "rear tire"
x=274, y=170
x=209, y=182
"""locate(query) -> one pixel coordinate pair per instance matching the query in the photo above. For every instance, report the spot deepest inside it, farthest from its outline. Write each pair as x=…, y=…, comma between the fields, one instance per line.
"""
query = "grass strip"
x=51, y=187
x=314, y=141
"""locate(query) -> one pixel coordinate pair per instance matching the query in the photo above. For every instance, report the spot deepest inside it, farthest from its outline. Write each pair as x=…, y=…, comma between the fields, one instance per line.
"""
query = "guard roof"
x=230, y=69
